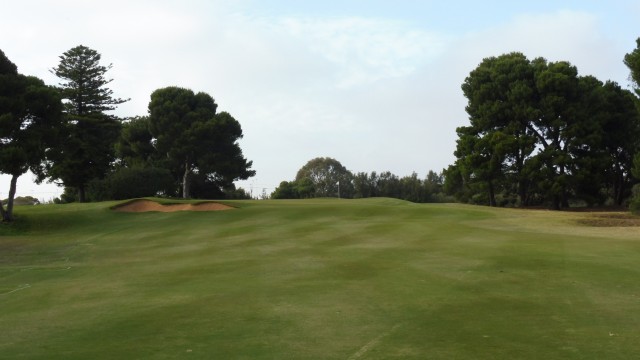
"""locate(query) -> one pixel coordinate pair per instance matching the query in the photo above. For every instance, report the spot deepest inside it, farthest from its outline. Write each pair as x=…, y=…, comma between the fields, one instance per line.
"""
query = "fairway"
x=317, y=279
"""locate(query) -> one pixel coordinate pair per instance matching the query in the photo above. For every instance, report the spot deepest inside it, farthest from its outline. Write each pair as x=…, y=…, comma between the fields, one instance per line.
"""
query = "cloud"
x=366, y=50
x=574, y=36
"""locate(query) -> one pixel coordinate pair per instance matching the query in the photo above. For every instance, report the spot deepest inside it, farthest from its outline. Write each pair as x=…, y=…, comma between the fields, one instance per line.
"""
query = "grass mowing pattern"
x=317, y=279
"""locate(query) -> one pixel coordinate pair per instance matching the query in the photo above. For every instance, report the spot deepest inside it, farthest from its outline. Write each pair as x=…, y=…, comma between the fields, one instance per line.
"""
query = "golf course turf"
x=318, y=279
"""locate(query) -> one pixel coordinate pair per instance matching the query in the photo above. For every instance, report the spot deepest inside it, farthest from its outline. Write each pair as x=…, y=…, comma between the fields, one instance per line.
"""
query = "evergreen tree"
x=540, y=132
x=88, y=151
x=199, y=145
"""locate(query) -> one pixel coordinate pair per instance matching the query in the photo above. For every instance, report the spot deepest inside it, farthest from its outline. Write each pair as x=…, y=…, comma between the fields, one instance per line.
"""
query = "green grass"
x=317, y=279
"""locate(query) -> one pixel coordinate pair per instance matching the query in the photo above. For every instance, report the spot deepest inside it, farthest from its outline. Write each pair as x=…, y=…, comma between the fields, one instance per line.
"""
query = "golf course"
x=373, y=278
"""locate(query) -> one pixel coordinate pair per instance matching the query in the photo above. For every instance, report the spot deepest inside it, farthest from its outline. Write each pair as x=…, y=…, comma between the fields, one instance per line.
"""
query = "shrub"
x=127, y=183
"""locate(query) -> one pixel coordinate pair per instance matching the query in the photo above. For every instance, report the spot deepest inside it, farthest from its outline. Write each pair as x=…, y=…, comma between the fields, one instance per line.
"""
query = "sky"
x=374, y=84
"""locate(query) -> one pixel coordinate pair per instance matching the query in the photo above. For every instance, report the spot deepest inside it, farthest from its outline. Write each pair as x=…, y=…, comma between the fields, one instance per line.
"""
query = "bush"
x=23, y=200
x=127, y=183
x=68, y=196
x=286, y=190
x=237, y=194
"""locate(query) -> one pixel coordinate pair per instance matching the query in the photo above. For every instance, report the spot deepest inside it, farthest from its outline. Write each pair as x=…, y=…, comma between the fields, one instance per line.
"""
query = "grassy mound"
x=317, y=279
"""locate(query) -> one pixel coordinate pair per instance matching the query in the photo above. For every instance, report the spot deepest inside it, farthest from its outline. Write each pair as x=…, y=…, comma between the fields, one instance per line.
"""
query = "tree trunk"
x=8, y=214
x=564, y=196
x=522, y=184
x=81, y=194
x=620, y=194
x=618, y=188
x=565, y=199
x=556, y=202
x=185, y=181
x=522, y=193
x=492, y=195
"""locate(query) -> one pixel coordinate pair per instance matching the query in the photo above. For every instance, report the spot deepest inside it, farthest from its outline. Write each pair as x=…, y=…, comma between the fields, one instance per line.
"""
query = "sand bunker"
x=148, y=205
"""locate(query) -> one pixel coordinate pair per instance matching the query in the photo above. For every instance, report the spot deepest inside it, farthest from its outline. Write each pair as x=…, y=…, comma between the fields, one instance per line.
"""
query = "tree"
x=619, y=120
x=328, y=176
x=131, y=182
x=456, y=184
x=388, y=185
x=632, y=60
x=30, y=117
x=634, y=205
x=297, y=189
x=286, y=190
x=413, y=188
x=6, y=66
x=134, y=147
x=90, y=132
x=365, y=184
x=497, y=146
x=196, y=140
x=24, y=201
x=433, y=187
x=85, y=88
x=137, y=157
x=304, y=188
x=481, y=160
x=541, y=132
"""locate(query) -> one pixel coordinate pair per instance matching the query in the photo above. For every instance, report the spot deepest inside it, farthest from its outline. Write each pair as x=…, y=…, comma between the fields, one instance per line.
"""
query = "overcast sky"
x=373, y=84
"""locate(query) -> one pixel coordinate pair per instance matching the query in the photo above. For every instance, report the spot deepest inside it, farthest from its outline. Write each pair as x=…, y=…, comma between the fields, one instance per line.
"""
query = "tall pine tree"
x=90, y=132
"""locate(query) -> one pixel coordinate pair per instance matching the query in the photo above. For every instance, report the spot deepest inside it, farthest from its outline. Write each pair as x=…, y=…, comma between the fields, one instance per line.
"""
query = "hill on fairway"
x=318, y=279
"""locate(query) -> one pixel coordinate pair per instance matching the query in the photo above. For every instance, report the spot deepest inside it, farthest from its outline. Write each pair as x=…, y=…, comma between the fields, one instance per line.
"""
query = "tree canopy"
x=183, y=142
x=84, y=83
x=540, y=133
x=30, y=120
x=328, y=172
x=632, y=60
x=198, y=143
x=328, y=176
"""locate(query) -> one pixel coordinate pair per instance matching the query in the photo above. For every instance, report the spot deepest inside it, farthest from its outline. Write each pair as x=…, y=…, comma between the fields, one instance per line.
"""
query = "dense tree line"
x=327, y=177
x=66, y=134
x=540, y=134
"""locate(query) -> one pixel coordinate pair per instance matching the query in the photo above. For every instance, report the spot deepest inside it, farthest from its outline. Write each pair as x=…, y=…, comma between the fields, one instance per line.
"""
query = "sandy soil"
x=147, y=205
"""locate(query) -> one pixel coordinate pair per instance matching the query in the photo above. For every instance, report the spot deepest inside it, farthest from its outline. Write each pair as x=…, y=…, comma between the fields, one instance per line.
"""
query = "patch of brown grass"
x=610, y=220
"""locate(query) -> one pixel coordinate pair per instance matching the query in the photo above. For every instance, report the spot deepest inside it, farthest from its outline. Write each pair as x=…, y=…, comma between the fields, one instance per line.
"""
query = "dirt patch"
x=611, y=220
x=148, y=205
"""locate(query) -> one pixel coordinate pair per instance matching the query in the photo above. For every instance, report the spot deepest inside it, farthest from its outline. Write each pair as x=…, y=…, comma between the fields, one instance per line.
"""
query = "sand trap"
x=148, y=205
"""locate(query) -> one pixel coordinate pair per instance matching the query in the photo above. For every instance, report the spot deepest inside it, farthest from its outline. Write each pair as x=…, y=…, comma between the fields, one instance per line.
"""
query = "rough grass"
x=611, y=220
x=317, y=279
